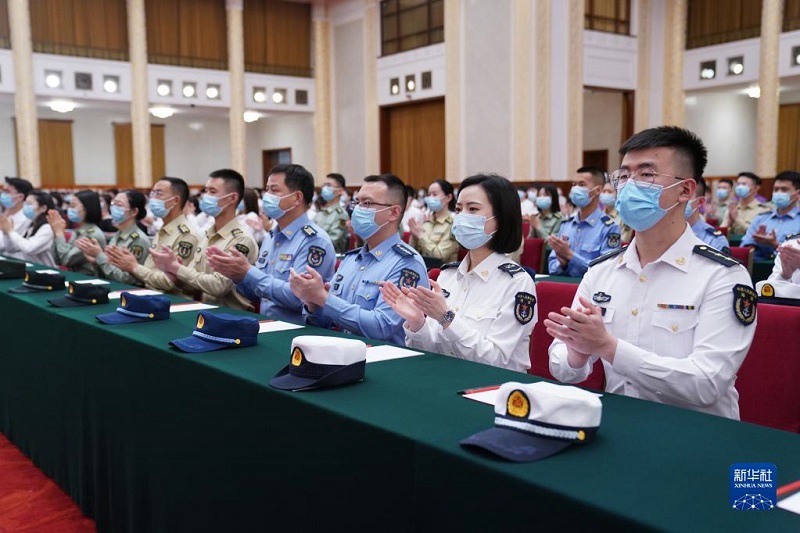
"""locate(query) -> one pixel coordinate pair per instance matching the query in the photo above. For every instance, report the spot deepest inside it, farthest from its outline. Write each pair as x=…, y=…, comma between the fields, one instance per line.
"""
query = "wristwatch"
x=447, y=317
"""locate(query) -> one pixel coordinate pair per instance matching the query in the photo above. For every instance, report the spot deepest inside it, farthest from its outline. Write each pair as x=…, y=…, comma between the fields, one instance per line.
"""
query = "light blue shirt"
x=598, y=234
x=783, y=225
x=355, y=303
x=301, y=243
x=711, y=236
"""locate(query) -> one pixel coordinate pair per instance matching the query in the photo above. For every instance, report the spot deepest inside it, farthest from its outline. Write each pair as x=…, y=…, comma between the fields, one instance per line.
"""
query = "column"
x=540, y=146
x=575, y=87
x=521, y=83
x=234, y=9
x=322, y=80
x=641, y=113
x=140, y=116
x=769, y=102
x=674, y=46
x=372, y=148
x=24, y=96
x=454, y=155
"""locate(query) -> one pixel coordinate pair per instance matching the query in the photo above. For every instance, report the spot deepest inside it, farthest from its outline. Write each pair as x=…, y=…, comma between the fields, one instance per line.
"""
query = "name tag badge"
x=286, y=257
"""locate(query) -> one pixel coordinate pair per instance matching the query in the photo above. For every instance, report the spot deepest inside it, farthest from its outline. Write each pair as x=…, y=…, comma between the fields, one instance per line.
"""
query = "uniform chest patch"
x=601, y=298
x=523, y=307
x=242, y=248
x=315, y=256
x=184, y=249
x=136, y=250
x=744, y=304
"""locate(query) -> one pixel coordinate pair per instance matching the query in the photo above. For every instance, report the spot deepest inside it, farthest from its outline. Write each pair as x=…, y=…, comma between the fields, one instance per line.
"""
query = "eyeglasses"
x=369, y=205
x=644, y=177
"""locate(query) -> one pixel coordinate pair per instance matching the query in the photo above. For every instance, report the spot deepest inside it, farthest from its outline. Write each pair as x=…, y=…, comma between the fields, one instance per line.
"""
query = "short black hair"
x=234, y=182
x=179, y=188
x=726, y=180
x=789, y=175
x=410, y=192
x=22, y=186
x=552, y=192
x=756, y=179
x=195, y=201
x=107, y=199
x=57, y=199
x=685, y=143
x=137, y=200
x=506, y=207
x=338, y=178
x=91, y=204
x=250, y=200
x=447, y=188
x=296, y=178
x=597, y=173
x=397, y=189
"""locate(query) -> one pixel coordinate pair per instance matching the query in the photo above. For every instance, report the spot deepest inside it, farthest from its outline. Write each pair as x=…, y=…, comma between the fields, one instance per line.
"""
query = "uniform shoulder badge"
x=309, y=230
x=408, y=278
x=714, y=232
x=792, y=236
x=236, y=232
x=134, y=235
x=184, y=250
x=315, y=256
x=607, y=220
x=744, y=304
x=243, y=248
x=403, y=250
x=715, y=255
x=613, y=240
x=183, y=228
x=445, y=266
x=524, y=304
x=136, y=250
x=511, y=269
x=609, y=255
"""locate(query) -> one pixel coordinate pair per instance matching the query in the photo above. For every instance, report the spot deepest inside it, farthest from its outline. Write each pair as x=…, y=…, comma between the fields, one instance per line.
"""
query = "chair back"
x=532, y=253
x=743, y=254
x=433, y=274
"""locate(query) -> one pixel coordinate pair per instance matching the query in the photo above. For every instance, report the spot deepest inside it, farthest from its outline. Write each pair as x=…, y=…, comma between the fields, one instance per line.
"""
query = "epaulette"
x=236, y=232
x=714, y=255
x=792, y=236
x=404, y=250
x=609, y=255
x=134, y=235
x=308, y=230
x=511, y=268
x=607, y=220
x=714, y=232
x=183, y=228
x=354, y=250
x=445, y=266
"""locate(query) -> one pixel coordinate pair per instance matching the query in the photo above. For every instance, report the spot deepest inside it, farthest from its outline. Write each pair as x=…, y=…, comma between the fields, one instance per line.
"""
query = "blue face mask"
x=363, y=221
x=781, y=199
x=327, y=193
x=271, y=205
x=74, y=215
x=159, y=207
x=742, y=191
x=639, y=207
x=118, y=214
x=544, y=202
x=722, y=194
x=7, y=200
x=607, y=199
x=688, y=211
x=433, y=203
x=580, y=196
x=469, y=230
x=240, y=207
x=67, y=198
x=29, y=211
x=210, y=205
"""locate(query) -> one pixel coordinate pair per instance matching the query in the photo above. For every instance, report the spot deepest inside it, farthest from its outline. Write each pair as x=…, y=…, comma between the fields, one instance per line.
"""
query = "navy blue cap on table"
x=536, y=420
x=133, y=308
x=40, y=282
x=217, y=332
x=318, y=362
x=82, y=294
x=12, y=269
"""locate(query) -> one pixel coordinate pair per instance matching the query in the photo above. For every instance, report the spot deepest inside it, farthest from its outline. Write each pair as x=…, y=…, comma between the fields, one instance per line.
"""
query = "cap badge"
x=200, y=321
x=123, y=301
x=518, y=404
x=297, y=356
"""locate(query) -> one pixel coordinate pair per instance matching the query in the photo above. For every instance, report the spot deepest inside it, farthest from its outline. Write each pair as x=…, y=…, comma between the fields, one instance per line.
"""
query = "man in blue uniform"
x=769, y=230
x=704, y=231
x=353, y=301
x=587, y=234
x=294, y=242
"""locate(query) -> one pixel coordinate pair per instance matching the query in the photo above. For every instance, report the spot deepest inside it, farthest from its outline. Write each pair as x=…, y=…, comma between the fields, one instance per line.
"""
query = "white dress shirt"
x=487, y=302
x=679, y=339
x=778, y=268
x=21, y=224
x=36, y=248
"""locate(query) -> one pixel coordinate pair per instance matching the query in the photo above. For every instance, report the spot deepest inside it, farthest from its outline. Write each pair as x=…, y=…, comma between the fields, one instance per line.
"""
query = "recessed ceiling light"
x=259, y=95
x=52, y=79
x=164, y=88
x=212, y=92
x=110, y=84
x=279, y=96
x=189, y=90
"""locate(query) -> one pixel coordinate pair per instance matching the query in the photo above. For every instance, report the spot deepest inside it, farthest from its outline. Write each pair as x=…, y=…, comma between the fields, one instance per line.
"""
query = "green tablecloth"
x=145, y=438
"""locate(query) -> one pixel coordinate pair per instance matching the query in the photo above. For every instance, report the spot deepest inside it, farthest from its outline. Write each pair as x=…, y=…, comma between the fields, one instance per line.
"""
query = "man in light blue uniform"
x=769, y=230
x=353, y=301
x=293, y=242
x=587, y=234
x=704, y=231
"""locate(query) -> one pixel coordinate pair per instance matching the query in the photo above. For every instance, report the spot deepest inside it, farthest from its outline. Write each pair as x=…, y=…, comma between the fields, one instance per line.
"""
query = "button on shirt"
x=711, y=236
x=355, y=303
x=301, y=243
x=588, y=239
x=492, y=324
x=679, y=341
x=782, y=225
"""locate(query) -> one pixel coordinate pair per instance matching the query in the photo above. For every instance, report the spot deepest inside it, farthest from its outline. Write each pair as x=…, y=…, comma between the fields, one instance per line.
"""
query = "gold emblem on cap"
x=94, y=301
x=152, y=315
x=237, y=341
x=123, y=302
x=200, y=321
x=518, y=404
x=581, y=435
x=680, y=261
x=71, y=288
x=297, y=356
x=767, y=290
x=27, y=276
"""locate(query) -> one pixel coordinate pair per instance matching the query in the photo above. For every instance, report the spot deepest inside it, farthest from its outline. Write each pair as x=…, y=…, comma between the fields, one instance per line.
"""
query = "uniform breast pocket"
x=480, y=317
x=590, y=248
x=367, y=296
x=673, y=331
x=608, y=314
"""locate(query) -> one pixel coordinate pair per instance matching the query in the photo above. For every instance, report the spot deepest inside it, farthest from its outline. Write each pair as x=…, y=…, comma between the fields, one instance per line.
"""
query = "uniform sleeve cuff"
x=101, y=259
x=559, y=366
x=184, y=273
x=627, y=359
x=456, y=331
x=333, y=308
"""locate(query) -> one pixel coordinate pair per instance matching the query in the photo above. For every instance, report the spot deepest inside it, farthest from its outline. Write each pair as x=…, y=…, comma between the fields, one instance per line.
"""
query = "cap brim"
x=342, y=376
x=67, y=302
x=119, y=318
x=515, y=445
x=195, y=345
x=22, y=289
x=285, y=381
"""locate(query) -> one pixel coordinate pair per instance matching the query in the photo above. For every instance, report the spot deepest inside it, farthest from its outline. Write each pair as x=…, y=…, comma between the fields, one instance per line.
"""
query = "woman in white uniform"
x=484, y=308
x=36, y=243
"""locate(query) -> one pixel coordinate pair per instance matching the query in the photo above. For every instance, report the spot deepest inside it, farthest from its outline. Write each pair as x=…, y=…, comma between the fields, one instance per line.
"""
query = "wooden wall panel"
x=123, y=153
x=56, y=153
x=721, y=21
x=5, y=34
x=189, y=33
x=277, y=37
x=791, y=15
x=788, y=138
x=413, y=142
x=89, y=28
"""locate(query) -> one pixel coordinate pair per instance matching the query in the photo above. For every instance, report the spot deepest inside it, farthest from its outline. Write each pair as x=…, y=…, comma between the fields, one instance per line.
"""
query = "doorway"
x=270, y=158
x=607, y=124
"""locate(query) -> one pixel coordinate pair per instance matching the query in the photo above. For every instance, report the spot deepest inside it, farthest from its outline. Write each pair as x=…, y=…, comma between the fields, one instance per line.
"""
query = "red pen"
x=481, y=389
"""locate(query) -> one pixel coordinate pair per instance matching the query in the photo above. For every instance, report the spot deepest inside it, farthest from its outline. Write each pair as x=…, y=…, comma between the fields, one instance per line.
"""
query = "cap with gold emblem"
x=133, y=308
x=217, y=332
x=536, y=420
x=11, y=269
x=778, y=289
x=82, y=294
x=318, y=362
x=41, y=281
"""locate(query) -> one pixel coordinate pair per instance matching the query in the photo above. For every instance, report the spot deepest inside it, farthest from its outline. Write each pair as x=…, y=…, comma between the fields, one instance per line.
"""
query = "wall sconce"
x=259, y=95
x=394, y=86
x=411, y=83
x=708, y=70
x=735, y=66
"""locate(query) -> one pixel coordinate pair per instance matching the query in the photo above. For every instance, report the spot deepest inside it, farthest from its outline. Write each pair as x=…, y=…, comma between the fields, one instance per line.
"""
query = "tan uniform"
x=178, y=237
x=216, y=288
x=437, y=239
x=68, y=255
x=626, y=232
x=747, y=213
x=333, y=219
x=137, y=243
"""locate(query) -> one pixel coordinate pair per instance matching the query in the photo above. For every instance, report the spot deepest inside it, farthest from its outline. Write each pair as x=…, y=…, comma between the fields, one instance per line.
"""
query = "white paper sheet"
x=196, y=306
x=542, y=276
x=88, y=282
x=271, y=326
x=138, y=292
x=47, y=272
x=386, y=353
x=487, y=395
x=791, y=503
